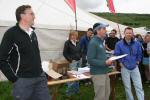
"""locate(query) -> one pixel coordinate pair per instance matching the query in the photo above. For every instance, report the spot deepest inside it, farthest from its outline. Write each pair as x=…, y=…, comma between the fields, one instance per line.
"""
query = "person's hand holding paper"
x=113, y=58
x=109, y=62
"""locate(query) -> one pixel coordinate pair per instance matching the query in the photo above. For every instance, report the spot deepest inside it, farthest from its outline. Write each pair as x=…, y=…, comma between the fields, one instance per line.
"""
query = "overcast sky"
x=121, y=6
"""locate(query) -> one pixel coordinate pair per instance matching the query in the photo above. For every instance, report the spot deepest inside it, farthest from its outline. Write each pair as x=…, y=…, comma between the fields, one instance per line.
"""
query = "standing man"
x=84, y=46
x=111, y=41
x=20, y=58
x=129, y=64
x=97, y=59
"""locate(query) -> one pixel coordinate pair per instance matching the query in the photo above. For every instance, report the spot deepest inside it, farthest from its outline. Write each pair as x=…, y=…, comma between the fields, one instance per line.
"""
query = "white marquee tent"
x=54, y=20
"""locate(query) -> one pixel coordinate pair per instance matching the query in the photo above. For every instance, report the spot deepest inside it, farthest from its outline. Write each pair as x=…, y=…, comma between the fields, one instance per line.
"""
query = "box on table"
x=61, y=66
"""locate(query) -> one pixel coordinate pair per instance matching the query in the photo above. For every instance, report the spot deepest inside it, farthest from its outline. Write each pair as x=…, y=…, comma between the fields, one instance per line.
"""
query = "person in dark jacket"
x=72, y=53
x=111, y=41
x=130, y=63
x=20, y=58
x=145, y=61
x=84, y=41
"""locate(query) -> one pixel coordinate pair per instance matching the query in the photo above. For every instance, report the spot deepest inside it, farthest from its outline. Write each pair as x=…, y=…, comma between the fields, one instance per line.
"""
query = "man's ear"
x=21, y=16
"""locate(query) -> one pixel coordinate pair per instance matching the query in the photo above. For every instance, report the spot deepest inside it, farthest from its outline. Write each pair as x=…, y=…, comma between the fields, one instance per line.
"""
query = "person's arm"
x=5, y=50
x=148, y=48
x=91, y=56
x=139, y=53
x=66, y=52
x=106, y=44
x=82, y=45
x=117, y=51
x=107, y=48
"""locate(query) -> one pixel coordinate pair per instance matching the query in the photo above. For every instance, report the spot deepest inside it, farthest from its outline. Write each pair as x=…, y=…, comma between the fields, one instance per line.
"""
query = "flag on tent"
x=110, y=5
x=72, y=4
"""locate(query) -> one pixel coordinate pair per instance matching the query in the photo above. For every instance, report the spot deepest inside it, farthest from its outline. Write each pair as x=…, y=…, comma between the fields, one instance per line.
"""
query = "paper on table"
x=117, y=57
x=81, y=76
x=53, y=74
x=74, y=72
x=84, y=69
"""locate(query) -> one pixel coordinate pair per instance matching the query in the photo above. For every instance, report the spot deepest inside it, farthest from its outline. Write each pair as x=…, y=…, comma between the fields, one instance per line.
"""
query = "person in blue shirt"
x=129, y=64
x=84, y=41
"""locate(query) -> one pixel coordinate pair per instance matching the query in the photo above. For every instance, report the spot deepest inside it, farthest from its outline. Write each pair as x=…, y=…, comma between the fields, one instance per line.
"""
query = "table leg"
x=54, y=90
x=113, y=84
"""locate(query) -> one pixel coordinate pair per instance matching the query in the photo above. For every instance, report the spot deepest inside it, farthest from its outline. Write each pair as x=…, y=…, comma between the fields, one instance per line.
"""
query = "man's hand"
x=109, y=62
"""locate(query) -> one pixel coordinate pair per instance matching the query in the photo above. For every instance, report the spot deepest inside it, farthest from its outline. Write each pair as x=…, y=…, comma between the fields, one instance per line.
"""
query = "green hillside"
x=133, y=20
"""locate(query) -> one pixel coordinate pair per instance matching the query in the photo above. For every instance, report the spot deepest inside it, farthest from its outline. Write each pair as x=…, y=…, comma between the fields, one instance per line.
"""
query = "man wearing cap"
x=97, y=59
x=129, y=64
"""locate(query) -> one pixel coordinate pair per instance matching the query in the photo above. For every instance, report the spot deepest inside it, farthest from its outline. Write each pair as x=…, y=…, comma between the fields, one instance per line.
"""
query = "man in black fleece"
x=20, y=58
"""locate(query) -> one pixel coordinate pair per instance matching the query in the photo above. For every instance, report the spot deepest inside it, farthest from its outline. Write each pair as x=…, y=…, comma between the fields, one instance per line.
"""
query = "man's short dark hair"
x=94, y=26
x=114, y=30
x=20, y=10
x=128, y=28
x=90, y=29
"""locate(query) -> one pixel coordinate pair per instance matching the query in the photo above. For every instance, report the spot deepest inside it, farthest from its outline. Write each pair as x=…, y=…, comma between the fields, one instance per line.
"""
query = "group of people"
x=91, y=50
x=21, y=63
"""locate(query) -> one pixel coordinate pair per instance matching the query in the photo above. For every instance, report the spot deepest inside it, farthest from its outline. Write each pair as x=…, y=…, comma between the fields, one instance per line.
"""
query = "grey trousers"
x=101, y=87
x=31, y=89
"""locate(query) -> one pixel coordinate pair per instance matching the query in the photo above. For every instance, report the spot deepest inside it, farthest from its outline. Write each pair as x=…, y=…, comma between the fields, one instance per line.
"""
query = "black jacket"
x=19, y=56
x=72, y=52
x=145, y=50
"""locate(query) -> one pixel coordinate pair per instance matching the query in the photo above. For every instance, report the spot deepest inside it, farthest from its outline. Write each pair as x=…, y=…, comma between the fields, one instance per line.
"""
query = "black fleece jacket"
x=72, y=52
x=19, y=55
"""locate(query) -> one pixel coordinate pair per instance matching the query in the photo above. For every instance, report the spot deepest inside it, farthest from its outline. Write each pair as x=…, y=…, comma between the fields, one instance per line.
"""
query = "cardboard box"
x=61, y=66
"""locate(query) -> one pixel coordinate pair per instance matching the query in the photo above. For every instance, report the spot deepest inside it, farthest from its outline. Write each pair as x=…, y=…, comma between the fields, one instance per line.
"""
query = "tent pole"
x=119, y=31
x=76, y=21
x=117, y=19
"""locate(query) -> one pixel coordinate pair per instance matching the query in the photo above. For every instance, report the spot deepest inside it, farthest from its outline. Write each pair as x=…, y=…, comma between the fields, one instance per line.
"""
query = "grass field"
x=86, y=92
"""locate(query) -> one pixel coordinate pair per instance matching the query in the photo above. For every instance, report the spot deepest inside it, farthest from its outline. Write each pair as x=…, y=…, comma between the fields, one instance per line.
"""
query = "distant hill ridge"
x=133, y=20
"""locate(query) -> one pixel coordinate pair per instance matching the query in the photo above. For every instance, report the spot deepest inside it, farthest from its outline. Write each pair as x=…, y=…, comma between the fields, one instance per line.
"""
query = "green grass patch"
x=86, y=92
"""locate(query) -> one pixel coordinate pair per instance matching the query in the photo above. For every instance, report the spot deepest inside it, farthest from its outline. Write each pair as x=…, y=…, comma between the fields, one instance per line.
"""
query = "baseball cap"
x=97, y=26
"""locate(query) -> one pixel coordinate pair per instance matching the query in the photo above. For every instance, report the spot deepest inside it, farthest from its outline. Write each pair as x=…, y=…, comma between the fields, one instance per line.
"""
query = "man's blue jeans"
x=134, y=75
x=31, y=88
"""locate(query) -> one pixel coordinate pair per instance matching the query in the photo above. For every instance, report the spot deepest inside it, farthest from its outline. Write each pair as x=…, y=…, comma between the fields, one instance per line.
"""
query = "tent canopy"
x=54, y=14
x=54, y=20
x=51, y=14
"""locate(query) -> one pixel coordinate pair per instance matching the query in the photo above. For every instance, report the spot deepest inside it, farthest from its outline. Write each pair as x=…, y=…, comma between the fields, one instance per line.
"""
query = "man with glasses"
x=129, y=64
x=20, y=58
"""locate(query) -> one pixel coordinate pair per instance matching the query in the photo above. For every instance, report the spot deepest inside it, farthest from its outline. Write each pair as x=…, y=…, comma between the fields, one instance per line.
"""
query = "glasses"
x=30, y=13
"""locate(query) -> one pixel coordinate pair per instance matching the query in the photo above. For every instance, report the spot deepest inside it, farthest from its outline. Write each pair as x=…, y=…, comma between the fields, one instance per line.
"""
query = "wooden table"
x=55, y=84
